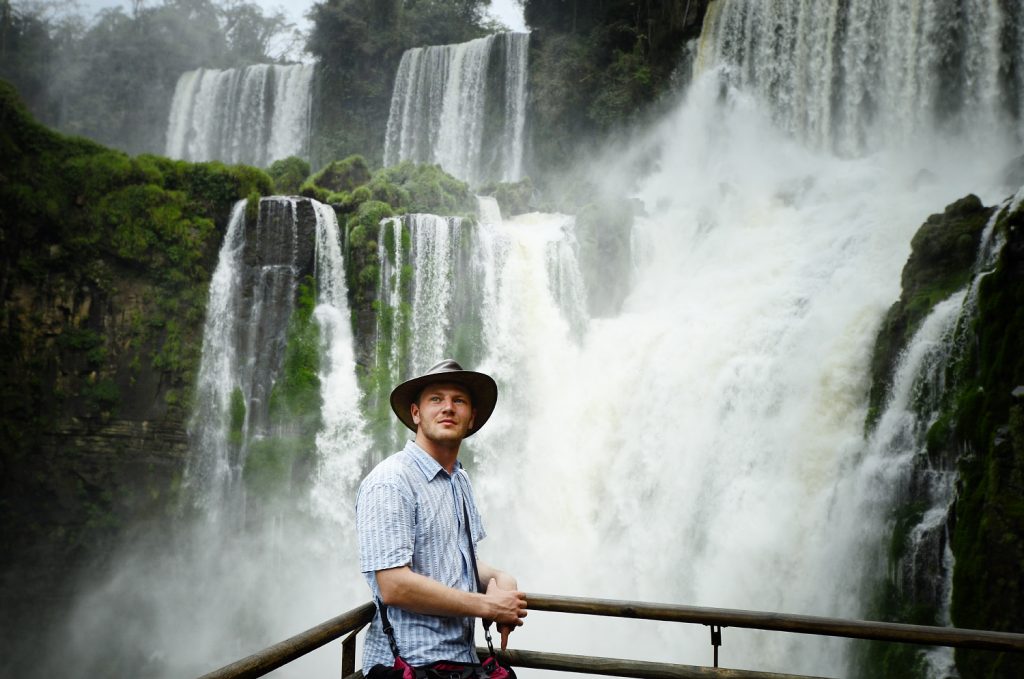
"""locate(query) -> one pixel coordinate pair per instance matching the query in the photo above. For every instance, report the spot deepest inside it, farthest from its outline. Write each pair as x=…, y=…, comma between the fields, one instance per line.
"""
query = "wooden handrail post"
x=348, y=653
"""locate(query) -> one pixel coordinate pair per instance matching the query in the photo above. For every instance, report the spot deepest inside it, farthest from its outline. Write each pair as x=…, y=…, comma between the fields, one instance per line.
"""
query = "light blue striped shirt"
x=409, y=512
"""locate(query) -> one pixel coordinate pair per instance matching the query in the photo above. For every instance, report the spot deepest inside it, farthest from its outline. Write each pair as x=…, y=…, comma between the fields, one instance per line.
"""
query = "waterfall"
x=252, y=298
x=864, y=74
x=442, y=293
x=342, y=442
x=253, y=115
x=705, y=446
x=462, y=106
x=212, y=471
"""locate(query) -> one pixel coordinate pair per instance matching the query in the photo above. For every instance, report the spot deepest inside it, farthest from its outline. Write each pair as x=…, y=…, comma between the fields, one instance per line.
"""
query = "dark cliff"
x=103, y=277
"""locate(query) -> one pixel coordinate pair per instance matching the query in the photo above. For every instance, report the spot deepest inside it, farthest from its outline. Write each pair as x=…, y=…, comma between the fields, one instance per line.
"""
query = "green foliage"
x=295, y=399
x=409, y=187
x=113, y=78
x=252, y=208
x=988, y=537
x=343, y=175
x=273, y=462
x=358, y=44
x=236, y=422
x=597, y=67
x=288, y=175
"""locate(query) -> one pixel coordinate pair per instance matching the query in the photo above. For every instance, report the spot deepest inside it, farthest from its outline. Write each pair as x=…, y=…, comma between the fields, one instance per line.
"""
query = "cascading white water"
x=342, y=443
x=452, y=294
x=210, y=473
x=705, y=446
x=462, y=106
x=867, y=74
x=255, y=115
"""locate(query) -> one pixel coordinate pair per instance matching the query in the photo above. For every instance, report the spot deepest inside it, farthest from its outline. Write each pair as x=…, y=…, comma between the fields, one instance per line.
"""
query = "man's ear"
x=472, y=418
x=414, y=409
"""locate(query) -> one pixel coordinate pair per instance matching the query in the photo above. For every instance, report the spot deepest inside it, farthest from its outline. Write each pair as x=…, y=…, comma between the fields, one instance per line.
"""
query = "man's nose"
x=448, y=406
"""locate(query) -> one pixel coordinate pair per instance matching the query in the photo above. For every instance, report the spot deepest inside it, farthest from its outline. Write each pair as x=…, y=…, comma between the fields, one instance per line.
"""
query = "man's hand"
x=509, y=607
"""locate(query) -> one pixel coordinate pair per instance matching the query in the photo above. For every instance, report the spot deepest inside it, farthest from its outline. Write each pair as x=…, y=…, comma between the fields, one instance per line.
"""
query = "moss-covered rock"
x=941, y=260
x=987, y=422
x=288, y=175
x=104, y=262
x=514, y=198
x=343, y=175
x=422, y=188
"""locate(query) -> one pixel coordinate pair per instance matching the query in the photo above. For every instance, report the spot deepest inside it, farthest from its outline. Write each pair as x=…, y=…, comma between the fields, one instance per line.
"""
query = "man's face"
x=444, y=413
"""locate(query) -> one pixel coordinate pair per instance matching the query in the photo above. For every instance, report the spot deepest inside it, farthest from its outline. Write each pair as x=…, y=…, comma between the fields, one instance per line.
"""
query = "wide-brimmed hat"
x=482, y=389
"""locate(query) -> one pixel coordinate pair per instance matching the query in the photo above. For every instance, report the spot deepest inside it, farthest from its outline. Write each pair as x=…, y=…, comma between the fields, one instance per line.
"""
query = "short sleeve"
x=385, y=522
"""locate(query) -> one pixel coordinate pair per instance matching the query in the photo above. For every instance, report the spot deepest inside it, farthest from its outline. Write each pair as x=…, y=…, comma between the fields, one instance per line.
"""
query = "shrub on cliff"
x=288, y=175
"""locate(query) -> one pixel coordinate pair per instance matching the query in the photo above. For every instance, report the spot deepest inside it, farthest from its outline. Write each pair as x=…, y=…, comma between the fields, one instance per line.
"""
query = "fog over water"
x=703, y=446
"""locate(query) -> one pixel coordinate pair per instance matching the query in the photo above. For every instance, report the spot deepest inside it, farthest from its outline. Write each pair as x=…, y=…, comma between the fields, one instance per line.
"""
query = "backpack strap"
x=476, y=574
x=389, y=631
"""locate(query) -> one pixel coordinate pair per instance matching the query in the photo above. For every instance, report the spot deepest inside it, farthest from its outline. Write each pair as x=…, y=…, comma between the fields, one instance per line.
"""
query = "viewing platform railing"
x=352, y=622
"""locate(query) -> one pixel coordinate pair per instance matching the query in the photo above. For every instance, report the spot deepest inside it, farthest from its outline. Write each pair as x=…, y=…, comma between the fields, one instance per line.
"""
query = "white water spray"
x=868, y=75
x=462, y=106
x=254, y=115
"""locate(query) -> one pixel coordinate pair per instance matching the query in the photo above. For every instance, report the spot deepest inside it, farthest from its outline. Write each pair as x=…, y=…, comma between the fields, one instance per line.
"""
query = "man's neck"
x=445, y=455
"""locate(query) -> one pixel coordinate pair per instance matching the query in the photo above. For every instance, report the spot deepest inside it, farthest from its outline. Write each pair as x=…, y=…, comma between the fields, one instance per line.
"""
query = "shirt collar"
x=426, y=464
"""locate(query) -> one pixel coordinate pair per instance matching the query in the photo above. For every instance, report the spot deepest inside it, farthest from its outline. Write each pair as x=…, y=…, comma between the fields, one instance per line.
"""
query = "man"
x=414, y=547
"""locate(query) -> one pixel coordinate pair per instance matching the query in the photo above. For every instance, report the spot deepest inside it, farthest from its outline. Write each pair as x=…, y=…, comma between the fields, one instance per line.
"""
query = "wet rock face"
x=279, y=252
x=943, y=252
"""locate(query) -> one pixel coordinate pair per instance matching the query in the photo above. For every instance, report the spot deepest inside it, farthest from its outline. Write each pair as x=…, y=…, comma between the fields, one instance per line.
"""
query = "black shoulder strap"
x=476, y=573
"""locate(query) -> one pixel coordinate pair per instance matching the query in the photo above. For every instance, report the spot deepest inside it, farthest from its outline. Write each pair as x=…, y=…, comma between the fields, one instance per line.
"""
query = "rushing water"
x=866, y=74
x=253, y=115
x=462, y=106
x=703, y=446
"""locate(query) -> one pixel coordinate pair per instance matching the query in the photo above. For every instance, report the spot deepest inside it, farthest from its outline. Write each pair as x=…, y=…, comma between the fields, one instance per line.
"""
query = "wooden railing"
x=352, y=622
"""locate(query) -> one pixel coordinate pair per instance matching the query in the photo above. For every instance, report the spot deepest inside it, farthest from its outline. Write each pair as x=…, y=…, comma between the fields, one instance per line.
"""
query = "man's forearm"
x=417, y=593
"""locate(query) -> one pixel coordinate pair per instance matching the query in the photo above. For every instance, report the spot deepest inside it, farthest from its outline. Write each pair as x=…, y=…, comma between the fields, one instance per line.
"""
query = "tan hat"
x=482, y=389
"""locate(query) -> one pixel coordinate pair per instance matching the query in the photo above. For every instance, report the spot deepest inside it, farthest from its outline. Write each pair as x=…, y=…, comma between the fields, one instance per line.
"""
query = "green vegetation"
x=73, y=73
x=273, y=462
x=358, y=44
x=987, y=418
x=597, y=67
x=236, y=424
x=980, y=427
x=105, y=261
x=288, y=175
x=940, y=263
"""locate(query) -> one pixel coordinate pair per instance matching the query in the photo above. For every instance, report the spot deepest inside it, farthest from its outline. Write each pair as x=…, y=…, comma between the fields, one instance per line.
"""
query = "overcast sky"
x=508, y=11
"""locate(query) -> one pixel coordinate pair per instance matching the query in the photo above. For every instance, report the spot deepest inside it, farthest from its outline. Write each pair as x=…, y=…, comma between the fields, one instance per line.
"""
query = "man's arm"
x=417, y=593
x=501, y=581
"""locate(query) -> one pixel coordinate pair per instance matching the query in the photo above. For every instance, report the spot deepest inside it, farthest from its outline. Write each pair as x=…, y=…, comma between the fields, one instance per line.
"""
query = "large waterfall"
x=706, y=444
x=462, y=106
x=254, y=115
x=865, y=74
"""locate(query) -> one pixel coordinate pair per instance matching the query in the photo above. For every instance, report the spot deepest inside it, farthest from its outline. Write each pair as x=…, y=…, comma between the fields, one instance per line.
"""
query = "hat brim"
x=482, y=390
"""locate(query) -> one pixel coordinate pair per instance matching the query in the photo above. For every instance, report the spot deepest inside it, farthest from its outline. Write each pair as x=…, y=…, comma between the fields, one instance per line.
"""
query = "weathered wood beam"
x=627, y=668
x=282, y=653
x=782, y=622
